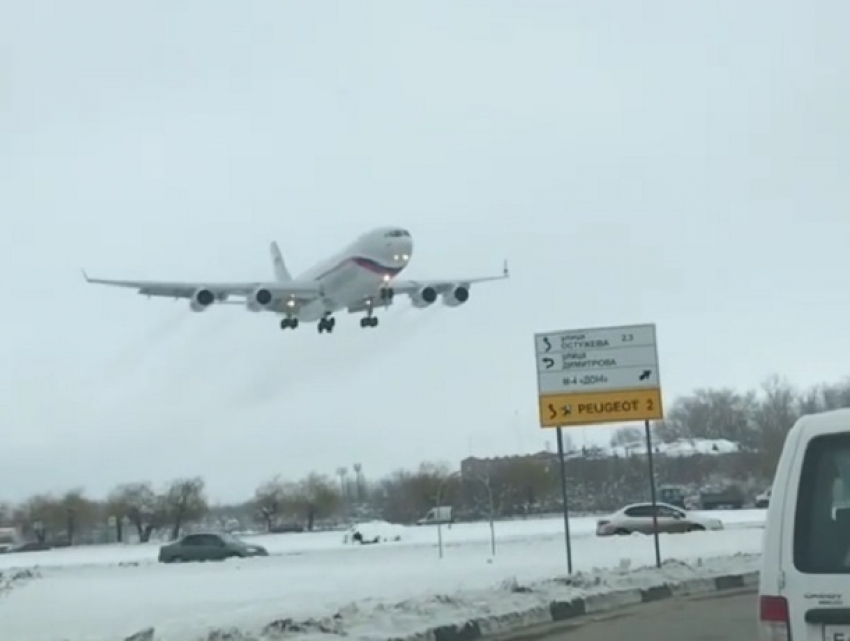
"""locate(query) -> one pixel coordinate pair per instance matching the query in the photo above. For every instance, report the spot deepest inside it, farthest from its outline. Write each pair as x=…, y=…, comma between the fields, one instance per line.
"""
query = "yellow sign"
x=596, y=408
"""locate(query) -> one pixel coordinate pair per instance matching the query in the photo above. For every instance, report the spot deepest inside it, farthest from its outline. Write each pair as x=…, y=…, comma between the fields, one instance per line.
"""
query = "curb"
x=559, y=611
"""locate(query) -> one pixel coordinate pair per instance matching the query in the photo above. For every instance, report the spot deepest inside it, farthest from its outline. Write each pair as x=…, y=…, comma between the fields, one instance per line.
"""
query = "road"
x=716, y=617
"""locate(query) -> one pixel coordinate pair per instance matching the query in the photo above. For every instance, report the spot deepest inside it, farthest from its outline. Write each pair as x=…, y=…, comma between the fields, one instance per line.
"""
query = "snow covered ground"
x=109, y=592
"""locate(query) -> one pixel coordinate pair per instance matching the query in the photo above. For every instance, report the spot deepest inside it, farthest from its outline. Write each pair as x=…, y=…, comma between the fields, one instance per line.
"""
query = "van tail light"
x=774, y=619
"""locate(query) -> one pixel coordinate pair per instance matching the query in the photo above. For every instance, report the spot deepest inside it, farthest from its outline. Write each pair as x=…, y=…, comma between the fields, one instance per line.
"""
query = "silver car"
x=637, y=517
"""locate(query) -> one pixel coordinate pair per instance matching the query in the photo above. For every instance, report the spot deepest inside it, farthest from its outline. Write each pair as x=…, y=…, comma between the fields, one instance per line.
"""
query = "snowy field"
x=109, y=592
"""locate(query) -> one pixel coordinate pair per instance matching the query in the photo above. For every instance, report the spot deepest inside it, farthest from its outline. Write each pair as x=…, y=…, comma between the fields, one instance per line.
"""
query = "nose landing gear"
x=289, y=323
x=326, y=324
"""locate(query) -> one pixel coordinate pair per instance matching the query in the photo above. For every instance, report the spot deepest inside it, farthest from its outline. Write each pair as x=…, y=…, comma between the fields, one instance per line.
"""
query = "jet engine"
x=259, y=300
x=424, y=296
x=457, y=295
x=201, y=300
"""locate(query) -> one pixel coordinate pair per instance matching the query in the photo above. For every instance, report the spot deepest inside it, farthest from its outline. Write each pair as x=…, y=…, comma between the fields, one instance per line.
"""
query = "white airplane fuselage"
x=357, y=272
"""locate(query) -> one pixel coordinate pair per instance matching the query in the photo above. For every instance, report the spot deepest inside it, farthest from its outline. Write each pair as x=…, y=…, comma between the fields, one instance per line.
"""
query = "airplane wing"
x=442, y=286
x=425, y=292
x=222, y=291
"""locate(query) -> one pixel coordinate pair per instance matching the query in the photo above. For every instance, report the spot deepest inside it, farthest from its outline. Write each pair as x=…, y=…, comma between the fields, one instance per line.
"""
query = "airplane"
x=359, y=278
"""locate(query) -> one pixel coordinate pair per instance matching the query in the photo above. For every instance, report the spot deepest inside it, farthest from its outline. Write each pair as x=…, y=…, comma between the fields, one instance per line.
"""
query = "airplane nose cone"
x=402, y=251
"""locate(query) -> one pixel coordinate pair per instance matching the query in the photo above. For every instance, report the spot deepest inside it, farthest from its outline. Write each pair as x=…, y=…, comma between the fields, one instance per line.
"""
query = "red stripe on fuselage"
x=364, y=263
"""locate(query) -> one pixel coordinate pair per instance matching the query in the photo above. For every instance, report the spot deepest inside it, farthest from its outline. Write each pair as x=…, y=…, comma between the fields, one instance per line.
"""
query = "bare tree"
x=836, y=396
x=520, y=485
x=141, y=505
x=270, y=501
x=670, y=429
x=6, y=514
x=713, y=414
x=37, y=516
x=77, y=511
x=626, y=436
x=315, y=497
x=822, y=398
x=183, y=502
x=407, y=495
x=775, y=414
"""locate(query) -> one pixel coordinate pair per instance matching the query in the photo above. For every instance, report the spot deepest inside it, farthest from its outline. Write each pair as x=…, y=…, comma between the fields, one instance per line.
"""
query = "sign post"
x=563, y=470
x=652, y=491
x=598, y=376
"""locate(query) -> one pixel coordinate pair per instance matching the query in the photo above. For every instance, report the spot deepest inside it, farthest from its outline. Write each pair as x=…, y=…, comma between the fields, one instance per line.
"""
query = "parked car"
x=673, y=495
x=638, y=518
x=29, y=546
x=719, y=497
x=763, y=499
x=286, y=528
x=803, y=583
x=208, y=547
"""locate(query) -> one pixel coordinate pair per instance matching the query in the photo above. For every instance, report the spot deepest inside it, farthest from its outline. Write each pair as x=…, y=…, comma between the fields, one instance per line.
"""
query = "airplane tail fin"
x=280, y=271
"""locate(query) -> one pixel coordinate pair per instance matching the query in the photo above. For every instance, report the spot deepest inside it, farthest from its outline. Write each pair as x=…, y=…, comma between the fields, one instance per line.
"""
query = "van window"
x=822, y=520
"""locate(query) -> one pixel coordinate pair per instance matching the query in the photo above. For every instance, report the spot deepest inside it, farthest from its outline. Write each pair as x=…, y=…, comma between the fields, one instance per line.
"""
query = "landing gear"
x=386, y=295
x=326, y=324
x=289, y=323
x=369, y=321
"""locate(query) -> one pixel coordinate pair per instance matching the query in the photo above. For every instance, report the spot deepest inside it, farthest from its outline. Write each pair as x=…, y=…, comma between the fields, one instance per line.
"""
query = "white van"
x=804, y=590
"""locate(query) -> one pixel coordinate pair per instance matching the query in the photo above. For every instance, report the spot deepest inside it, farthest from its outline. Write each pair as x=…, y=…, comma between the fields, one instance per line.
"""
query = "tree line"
x=757, y=420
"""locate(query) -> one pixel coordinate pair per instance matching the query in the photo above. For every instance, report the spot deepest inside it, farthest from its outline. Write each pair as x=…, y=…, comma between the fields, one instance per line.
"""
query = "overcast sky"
x=683, y=163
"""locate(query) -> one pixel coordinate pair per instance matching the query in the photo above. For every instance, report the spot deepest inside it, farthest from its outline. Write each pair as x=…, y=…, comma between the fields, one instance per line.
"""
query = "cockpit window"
x=396, y=233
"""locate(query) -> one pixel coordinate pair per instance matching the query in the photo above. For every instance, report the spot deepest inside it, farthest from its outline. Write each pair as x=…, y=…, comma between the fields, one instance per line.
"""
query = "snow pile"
x=374, y=532
x=370, y=620
x=700, y=446
x=681, y=447
x=11, y=578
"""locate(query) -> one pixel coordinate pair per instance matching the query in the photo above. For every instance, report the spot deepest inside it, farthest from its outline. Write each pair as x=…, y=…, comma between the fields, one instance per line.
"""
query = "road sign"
x=596, y=376
x=564, y=410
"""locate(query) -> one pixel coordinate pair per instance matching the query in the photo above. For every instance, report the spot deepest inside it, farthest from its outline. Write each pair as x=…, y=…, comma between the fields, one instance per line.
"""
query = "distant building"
x=473, y=466
x=9, y=536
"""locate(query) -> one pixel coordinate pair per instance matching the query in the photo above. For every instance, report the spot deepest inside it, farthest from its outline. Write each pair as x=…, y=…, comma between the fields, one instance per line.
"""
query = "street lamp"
x=486, y=483
x=439, y=520
x=358, y=468
x=490, y=511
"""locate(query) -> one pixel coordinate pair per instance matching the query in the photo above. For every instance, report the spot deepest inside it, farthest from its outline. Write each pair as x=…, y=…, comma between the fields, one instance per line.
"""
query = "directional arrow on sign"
x=645, y=374
x=547, y=343
x=566, y=410
x=549, y=362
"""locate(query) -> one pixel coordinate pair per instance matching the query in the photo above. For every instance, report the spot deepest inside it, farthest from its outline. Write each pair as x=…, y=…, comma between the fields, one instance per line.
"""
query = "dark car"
x=285, y=528
x=723, y=496
x=30, y=546
x=673, y=495
x=208, y=547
